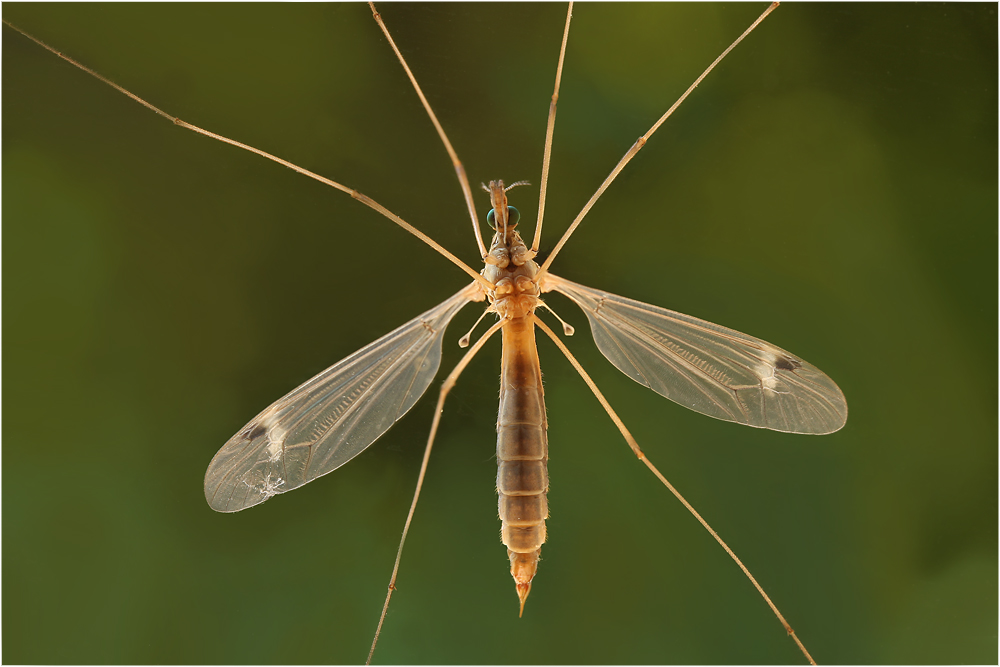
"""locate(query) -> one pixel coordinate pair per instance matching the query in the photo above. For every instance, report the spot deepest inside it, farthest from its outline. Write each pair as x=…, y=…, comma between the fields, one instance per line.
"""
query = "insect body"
x=522, y=446
x=333, y=417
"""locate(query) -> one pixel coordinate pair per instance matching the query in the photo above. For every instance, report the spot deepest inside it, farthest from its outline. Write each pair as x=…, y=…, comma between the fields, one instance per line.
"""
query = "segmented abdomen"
x=522, y=453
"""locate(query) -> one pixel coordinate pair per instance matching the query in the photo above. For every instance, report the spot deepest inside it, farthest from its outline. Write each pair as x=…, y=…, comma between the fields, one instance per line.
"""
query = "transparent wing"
x=710, y=369
x=324, y=423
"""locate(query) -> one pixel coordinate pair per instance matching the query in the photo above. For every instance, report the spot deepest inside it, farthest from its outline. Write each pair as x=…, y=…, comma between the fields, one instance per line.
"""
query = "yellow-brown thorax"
x=510, y=265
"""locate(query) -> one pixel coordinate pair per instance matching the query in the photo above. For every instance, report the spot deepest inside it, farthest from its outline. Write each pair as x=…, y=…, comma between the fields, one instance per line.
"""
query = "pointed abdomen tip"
x=522, y=594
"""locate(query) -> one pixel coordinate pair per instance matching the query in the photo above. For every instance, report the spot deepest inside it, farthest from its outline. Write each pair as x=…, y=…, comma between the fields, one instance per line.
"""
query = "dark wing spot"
x=787, y=364
x=254, y=433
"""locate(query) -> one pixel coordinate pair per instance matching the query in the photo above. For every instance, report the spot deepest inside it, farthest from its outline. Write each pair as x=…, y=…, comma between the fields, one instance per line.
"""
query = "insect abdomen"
x=522, y=453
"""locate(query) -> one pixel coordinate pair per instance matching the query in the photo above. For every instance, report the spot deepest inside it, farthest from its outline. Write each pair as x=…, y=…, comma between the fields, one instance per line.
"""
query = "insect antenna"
x=515, y=185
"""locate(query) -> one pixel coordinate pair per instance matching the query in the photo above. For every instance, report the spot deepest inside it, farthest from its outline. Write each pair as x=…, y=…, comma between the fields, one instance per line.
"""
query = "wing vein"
x=706, y=367
x=333, y=417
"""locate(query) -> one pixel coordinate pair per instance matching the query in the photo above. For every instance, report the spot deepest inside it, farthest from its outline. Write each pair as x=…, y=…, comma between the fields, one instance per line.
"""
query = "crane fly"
x=331, y=418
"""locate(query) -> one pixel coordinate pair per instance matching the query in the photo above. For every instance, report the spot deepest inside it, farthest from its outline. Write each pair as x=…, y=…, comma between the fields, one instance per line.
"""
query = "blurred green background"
x=831, y=188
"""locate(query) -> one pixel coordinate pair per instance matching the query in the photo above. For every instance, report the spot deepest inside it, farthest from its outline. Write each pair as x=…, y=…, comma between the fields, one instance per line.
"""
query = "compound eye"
x=513, y=216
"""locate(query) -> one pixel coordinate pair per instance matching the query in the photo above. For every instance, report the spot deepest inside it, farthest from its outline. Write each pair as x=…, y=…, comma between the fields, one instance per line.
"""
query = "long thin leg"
x=445, y=388
x=642, y=457
x=463, y=180
x=364, y=199
x=549, y=130
x=642, y=142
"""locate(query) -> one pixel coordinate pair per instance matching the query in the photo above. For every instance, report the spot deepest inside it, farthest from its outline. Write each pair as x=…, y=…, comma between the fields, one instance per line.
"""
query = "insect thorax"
x=511, y=268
